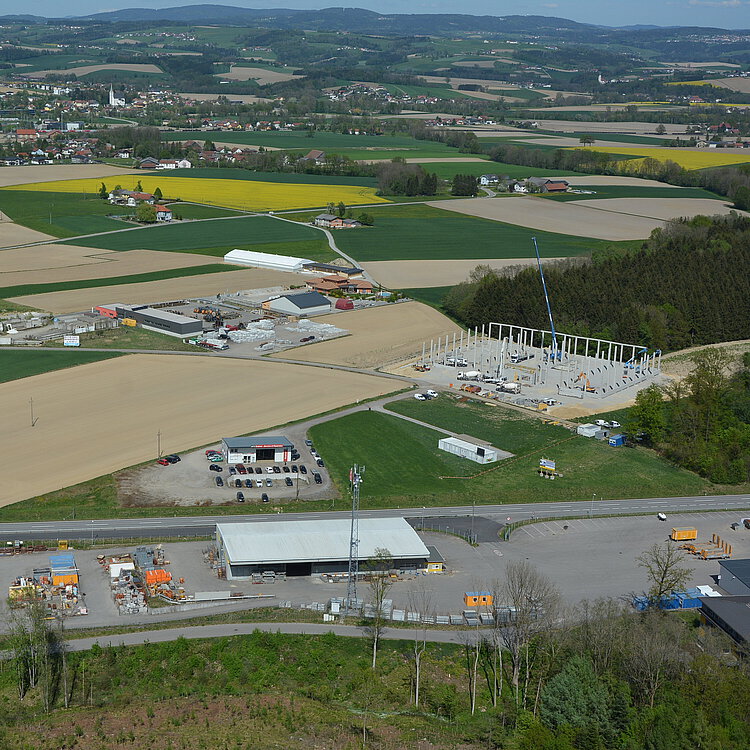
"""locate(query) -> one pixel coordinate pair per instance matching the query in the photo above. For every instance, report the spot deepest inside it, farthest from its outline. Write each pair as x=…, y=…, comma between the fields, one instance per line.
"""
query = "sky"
x=728, y=14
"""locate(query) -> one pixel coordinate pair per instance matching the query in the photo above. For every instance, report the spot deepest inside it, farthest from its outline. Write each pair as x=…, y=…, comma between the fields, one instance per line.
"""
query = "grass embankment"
x=125, y=337
x=219, y=236
x=265, y=690
x=15, y=364
x=63, y=286
x=61, y=214
x=404, y=464
x=420, y=232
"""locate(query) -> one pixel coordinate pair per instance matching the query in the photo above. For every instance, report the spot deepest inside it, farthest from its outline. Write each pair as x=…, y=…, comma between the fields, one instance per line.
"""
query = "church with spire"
x=115, y=101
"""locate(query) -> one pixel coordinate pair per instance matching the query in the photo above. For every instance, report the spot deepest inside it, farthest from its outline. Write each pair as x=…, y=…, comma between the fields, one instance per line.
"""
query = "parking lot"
x=192, y=481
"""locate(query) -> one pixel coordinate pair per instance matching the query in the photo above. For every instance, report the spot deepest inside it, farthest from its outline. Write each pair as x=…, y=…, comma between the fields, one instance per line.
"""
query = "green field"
x=229, y=173
x=634, y=191
x=202, y=236
x=63, y=286
x=61, y=214
x=404, y=465
x=15, y=364
x=422, y=232
x=354, y=146
x=199, y=211
x=433, y=295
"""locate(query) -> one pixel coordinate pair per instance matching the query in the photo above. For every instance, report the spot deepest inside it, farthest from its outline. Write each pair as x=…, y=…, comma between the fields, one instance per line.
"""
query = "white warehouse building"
x=265, y=260
x=474, y=450
x=303, y=548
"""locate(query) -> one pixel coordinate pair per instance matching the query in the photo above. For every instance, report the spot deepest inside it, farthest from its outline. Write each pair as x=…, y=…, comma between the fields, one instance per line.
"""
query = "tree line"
x=689, y=283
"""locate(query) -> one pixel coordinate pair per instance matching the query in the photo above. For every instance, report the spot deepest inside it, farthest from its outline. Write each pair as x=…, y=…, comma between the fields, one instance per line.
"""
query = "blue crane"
x=555, y=353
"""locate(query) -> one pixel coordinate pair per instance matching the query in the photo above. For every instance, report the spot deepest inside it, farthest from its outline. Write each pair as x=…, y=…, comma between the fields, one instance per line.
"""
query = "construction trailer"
x=474, y=450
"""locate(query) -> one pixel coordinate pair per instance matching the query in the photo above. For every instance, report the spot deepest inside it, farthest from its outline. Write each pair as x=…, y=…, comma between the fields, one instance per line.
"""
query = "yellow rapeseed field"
x=246, y=195
x=681, y=156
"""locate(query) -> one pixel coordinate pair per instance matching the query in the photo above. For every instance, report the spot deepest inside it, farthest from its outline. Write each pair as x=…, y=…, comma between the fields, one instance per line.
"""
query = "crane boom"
x=546, y=299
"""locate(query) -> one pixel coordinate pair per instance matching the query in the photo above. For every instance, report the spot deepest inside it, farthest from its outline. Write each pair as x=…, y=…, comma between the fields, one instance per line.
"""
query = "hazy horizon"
x=727, y=14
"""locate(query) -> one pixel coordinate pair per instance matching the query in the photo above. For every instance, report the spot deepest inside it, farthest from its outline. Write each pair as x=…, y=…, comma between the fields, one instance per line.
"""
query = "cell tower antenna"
x=355, y=479
x=555, y=353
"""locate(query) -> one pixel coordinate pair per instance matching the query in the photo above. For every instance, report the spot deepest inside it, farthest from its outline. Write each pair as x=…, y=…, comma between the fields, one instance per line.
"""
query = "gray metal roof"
x=306, y=300
x=730, y=613
x=256, y=442
x=740, y=569
x=327, y=217
x=331, y=267
x=311, y=541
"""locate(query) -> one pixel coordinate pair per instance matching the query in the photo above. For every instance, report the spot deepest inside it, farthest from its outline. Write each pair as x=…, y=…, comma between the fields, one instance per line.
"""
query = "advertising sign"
x=71, y=340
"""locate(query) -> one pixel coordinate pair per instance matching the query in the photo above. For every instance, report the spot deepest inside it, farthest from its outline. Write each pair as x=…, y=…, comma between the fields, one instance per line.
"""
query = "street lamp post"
x=591, y=510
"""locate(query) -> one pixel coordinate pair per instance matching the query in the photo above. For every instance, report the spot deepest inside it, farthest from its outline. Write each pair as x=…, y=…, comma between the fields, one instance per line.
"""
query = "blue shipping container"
x=617, y=441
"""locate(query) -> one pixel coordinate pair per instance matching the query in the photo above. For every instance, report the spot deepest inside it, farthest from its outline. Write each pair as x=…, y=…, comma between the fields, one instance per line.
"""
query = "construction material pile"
x=55, y=586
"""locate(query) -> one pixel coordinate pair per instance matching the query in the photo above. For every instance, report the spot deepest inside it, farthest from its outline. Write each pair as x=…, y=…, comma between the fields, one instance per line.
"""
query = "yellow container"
x=129, y=322
x=683, y=534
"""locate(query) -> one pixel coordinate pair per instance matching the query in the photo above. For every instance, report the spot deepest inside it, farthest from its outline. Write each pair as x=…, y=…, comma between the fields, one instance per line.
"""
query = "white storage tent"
x=265, y=260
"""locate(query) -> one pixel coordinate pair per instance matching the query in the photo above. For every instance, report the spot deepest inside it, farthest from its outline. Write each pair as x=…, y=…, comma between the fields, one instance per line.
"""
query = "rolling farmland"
x=242, y=194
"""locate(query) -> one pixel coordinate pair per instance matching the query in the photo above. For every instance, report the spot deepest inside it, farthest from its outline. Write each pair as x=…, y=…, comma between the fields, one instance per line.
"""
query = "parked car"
x=241, y=469
x=219, y=482
x=215, y=457
x=285, y=469
x=238, y=482
x=269, y=482
x=232, y=470
x=602, y=423
x=163, y=462
x=248, y=483
x=318, y=479
x=258, y=470
x=289, y=482
x=420, y=397
x=212, y=451
x=308, y=443
x=294, y=469
x=240, y=497
x=320, y=462
x=269, y=469
x=174, y=459
x=264, y=497
x=432, y=394
x=258, y=482
x=295, y=456
x=276, y=470
x=614, y=424
x=306, y=339
x=302, y=469
x=214, y=467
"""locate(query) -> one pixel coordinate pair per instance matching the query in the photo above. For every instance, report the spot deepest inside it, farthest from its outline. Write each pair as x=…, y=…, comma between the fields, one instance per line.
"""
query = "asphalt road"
x=205, y=525
x=222, y=631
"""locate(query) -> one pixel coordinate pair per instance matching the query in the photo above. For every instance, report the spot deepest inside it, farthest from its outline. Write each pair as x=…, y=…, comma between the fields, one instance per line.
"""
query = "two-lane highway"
x=205, y=525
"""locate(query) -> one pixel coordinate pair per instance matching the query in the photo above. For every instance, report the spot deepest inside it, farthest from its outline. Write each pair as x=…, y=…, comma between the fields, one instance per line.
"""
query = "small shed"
x=478, y=599
x=587, y=430
x=475, y=450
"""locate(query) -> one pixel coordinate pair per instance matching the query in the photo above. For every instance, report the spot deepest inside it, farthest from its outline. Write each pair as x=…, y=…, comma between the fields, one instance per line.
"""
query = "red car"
x=211, y=452
x=241, y=469
x=163, y=462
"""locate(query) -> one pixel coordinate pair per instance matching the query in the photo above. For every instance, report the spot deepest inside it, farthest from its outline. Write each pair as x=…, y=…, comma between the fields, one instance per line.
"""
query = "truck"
x=216, y=344
x=512, y=387
x=683, y=534
x=469, y=375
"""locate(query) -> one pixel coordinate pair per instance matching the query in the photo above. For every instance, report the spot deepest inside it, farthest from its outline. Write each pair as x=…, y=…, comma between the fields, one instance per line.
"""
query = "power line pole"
x=355, y=479
x=158, y=444
x=34, y=419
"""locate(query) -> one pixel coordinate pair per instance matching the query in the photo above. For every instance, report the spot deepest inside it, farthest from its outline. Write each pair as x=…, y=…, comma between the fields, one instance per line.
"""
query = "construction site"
x=517, y=360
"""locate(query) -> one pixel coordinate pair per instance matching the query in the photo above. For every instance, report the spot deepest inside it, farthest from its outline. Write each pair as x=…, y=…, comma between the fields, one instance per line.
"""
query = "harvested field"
x=28, y=175
x=741, y=85
x=597, y=179
x=661, y=208
x=416, y=274
x=630, y=128
x=112, y=411
x=379, y=336
x=261, y=75
x=566, y=218
x=83, y=70
x=14, y=234
x=44, y=263
x=153, y=291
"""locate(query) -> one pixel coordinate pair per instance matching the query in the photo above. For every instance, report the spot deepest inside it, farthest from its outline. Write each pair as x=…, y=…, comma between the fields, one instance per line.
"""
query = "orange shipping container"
x=683, y=534
x=64, y=579
x=478, y=599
